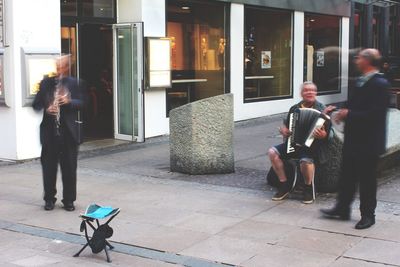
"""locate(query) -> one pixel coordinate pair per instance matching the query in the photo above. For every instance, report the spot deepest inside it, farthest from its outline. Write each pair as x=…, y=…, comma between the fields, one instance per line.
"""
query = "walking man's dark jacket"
x=365, y=128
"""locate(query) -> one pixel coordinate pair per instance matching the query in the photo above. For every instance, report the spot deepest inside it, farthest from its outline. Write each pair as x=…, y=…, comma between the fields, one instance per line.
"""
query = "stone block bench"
x=201, y=136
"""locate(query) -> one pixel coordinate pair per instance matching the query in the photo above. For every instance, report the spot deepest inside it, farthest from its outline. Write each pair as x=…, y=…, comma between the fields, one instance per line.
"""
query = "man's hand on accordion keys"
x=320, y=133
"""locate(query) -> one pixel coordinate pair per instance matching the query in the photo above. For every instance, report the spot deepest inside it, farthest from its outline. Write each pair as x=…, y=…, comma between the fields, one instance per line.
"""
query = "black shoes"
x=69, y=206
x=283, y=191
x=49, y=205
x=365, y=222
x=336, y=213
x=308, y=196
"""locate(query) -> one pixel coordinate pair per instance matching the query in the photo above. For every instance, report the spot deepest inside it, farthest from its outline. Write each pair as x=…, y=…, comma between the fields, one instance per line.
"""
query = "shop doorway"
x=91, y=50
x=96, y=69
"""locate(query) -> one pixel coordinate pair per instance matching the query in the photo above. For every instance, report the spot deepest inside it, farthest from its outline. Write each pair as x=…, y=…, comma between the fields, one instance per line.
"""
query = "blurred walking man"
x=364, y=140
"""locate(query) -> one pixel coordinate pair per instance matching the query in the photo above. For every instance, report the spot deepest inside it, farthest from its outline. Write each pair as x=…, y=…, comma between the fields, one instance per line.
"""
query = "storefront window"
x=98, y=8
x=198, y=33
x=394, y=30
x=322, y=52
x=268, y=54
x=68, y=46
x=69, y=8
x=376, y=27
x=358, y=22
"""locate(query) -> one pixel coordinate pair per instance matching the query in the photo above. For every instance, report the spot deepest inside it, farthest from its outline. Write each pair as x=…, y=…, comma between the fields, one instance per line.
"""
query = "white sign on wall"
x=159, y=63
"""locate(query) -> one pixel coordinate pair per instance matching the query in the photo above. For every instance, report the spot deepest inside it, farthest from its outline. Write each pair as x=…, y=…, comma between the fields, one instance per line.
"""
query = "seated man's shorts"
x=302, y=153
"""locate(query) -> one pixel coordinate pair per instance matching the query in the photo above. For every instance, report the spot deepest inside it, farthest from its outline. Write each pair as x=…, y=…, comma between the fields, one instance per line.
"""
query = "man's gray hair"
x=307, y=83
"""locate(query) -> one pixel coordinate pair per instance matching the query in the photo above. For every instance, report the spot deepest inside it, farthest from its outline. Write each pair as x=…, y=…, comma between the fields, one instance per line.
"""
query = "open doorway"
x=96, y=69
x=91, y=48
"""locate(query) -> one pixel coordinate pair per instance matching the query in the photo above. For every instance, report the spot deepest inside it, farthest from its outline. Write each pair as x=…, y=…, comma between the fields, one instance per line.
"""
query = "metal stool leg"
x=109, y=245
x=82, y=249
x=295, y=174
x=313, y=184
x=108, y=256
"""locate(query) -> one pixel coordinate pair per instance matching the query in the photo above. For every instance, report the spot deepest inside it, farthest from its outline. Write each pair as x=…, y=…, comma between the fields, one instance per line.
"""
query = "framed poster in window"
x=37, y=67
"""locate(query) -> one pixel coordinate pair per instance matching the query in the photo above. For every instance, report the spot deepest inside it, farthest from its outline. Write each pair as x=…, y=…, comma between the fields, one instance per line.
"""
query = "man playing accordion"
x=306, y=155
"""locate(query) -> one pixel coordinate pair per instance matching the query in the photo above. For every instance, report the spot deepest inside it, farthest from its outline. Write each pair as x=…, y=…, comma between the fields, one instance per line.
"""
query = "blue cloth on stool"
x=98, y=212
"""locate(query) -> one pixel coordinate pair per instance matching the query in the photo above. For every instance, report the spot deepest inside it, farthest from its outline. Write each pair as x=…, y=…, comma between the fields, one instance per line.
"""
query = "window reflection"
x=98, y=8
x=68, y=7
x=268, y=53
x=68, y=46
x=198, y=49
x=322, y=51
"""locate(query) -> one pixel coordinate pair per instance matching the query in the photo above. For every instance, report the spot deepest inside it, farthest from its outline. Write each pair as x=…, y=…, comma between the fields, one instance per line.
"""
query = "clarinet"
x=60, y=91
x=56, y=104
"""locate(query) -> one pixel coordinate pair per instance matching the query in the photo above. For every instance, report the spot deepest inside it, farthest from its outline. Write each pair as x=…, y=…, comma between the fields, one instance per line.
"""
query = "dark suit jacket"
x=365, y=128
x=68, y=113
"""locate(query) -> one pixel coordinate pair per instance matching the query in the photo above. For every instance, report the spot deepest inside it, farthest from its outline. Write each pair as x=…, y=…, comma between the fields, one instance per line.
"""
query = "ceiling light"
x=185, y=8
x=312, y=20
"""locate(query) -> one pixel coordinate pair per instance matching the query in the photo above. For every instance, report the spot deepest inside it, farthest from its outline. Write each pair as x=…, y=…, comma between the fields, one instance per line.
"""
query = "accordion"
x=302, y=124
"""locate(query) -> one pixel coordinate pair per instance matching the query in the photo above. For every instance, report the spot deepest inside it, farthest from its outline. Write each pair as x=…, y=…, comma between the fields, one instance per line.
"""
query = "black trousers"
x=61, y=150
x=358, y=169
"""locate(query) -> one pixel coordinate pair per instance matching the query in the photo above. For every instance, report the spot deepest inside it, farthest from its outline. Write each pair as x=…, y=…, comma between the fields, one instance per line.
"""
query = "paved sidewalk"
x=171, y=219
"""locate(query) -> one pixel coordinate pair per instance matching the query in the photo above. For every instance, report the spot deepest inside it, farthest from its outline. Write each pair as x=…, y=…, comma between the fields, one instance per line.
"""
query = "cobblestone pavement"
x=171, y=219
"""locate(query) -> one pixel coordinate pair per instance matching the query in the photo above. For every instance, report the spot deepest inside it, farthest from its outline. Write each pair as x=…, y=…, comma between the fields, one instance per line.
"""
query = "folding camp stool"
x=101, y=232
x=296, y=164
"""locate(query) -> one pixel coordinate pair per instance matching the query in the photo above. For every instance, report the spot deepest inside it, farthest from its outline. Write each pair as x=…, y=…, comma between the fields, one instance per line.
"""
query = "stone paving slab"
x=27, y=250
x=379, y=251
x=345, y=262
x=225, y=249
x=278, y=256
x=267, y=233
x=318, y=241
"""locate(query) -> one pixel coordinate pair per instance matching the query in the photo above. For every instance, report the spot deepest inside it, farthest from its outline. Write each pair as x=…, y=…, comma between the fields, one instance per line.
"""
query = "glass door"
x=128, y=80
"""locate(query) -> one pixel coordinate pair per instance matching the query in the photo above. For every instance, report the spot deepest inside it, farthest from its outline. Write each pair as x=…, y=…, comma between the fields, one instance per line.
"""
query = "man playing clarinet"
x=61, y=98
x=306, y=155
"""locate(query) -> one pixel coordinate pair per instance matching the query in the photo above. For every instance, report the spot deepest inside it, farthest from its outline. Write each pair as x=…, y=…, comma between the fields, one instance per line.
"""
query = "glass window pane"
x=98, y=8
x=322, y=51
x=125, y=70
x=268, y=53
x=68, y=8
x=68, y=46
x=197, y=51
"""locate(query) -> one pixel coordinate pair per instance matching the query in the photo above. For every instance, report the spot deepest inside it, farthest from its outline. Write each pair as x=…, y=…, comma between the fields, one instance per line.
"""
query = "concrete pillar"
x=28, y=27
